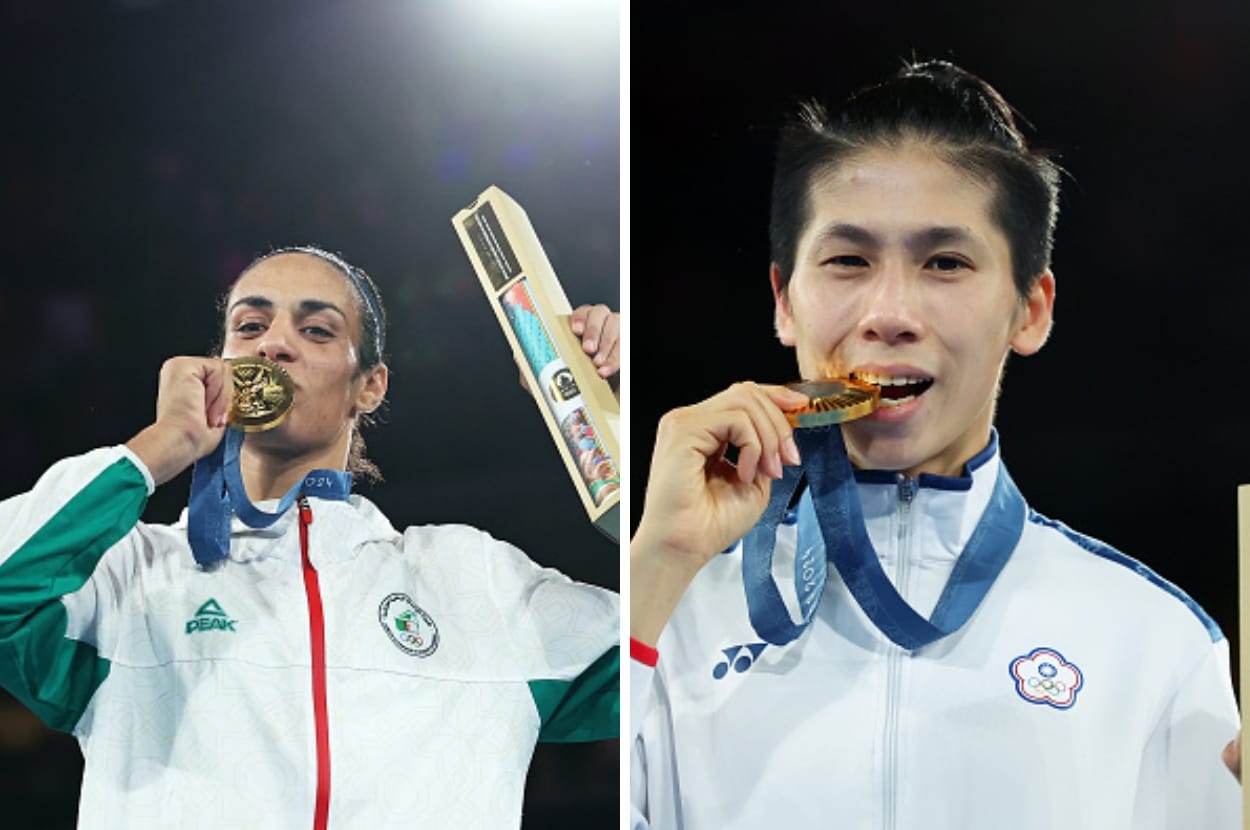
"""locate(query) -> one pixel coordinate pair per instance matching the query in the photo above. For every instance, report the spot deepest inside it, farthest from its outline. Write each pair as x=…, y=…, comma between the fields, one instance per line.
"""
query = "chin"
x=871, y=449
x=276, y=440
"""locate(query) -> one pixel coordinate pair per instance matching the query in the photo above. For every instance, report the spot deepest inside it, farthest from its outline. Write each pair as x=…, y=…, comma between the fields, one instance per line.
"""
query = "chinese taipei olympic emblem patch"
x=1044, y=677
x=408, y=626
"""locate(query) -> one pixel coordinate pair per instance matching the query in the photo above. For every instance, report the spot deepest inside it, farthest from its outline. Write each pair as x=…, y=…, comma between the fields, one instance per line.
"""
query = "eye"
x=846, y=261
x=946, y=264
x=249, y=327
x=317, y=332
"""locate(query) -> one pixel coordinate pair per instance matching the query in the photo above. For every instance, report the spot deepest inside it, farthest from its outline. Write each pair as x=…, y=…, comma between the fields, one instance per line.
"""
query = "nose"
x=278, y=343
x=890, y=314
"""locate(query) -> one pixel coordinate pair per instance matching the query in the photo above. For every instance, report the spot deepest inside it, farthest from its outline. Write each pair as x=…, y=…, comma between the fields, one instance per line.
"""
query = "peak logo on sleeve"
x=210, y=617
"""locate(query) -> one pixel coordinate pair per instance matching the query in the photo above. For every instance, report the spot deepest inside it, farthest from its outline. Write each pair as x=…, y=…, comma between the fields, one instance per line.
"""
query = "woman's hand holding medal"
x=192, y=405
x=698, y=502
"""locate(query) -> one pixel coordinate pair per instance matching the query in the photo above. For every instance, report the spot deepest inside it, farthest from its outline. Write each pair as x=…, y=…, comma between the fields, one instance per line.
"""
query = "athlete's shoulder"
x=1120, y=567
x=456, y=540
x=465, y=549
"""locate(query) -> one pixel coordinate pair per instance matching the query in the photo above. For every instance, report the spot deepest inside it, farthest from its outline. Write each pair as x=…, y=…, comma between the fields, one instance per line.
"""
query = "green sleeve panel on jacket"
x=52, y=675
x=586, y=708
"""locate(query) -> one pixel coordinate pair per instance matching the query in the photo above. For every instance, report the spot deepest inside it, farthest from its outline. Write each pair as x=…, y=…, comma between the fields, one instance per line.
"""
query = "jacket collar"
x=944, y=509
x=349, y=524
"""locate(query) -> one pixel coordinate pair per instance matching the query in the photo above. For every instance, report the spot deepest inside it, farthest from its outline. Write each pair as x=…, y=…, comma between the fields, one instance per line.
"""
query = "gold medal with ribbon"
x=833, y=401
x=263, y=394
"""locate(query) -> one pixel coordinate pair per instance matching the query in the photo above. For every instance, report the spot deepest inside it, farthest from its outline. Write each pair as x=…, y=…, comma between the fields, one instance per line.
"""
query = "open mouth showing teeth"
x=896, y=390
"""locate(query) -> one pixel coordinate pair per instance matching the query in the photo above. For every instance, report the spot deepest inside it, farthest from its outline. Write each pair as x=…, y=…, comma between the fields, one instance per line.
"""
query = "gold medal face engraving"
x=833, y=400
x=263, y=394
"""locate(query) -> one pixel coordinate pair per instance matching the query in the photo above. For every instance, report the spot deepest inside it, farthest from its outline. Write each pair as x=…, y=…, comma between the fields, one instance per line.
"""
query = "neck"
x=270, y=475
x=867, y=451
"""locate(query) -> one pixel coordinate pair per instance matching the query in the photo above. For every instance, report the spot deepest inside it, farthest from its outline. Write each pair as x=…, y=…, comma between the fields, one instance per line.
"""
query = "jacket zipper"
x=894, y=660
x=317, y=638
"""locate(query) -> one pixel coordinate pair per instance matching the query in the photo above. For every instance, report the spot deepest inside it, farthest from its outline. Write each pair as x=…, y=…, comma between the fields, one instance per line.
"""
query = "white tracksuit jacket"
x=980, y=730
x=200, y=699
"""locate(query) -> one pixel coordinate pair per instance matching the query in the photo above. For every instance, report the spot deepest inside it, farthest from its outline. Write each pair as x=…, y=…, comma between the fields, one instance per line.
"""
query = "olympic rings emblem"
x=1044, y=676
x=1047, y=685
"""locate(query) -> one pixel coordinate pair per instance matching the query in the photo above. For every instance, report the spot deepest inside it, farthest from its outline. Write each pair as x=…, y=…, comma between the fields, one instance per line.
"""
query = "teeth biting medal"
x=833, y=401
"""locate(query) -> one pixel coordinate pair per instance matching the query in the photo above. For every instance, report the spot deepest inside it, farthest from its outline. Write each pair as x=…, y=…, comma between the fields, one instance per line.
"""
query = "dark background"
x=1130, y=425
x=151, y=149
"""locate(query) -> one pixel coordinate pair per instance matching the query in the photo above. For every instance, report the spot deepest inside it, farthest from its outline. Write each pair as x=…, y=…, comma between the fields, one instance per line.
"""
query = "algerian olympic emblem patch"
x=408, y=626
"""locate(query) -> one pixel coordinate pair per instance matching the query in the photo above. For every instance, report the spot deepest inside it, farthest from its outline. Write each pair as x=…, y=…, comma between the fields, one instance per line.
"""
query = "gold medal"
x=833, y=400
x=263, y=394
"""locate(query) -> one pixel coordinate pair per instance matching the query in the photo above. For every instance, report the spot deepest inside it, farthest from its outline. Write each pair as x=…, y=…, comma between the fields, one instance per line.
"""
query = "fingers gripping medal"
x=263, y=394
x=833, y=400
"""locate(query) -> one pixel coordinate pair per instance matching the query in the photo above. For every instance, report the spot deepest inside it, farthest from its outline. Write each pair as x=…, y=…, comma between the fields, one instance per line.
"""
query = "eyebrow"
x=918, y=242
x=844, y=232
x=936, y=237
x=306, y=307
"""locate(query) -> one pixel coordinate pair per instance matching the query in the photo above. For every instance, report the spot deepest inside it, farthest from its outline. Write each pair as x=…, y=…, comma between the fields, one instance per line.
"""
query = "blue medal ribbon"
x=833, y=499
x=217, y=492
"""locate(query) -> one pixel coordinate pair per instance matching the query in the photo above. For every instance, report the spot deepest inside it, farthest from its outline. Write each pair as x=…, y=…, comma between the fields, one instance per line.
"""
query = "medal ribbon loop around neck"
x=217, y=492
x=839, y=515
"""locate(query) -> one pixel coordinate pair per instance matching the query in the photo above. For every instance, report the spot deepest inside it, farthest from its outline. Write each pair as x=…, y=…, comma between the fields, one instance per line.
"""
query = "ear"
x=373, y=390
x=783, y=317
x=1036, y=316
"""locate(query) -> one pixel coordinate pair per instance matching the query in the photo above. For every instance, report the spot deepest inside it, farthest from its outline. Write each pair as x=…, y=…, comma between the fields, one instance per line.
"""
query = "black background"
x=151, y=149
x=1130, y=424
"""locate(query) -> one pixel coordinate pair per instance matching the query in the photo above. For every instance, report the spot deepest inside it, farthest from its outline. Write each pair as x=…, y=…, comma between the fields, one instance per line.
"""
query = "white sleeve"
x=567, y=637
x=641, y=678
x=653, y=786
x=1192, y=733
